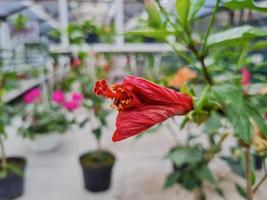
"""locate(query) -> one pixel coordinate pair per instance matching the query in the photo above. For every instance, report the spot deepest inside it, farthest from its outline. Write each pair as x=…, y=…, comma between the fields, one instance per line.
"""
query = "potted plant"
x=91, y=32
x=55, y=35
x=19, y=24
x=97, y=165
x=11, y=168
x=45, y=122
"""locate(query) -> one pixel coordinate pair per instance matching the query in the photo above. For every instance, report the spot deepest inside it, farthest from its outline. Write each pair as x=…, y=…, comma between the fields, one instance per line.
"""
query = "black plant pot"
x=258, y=162
x=97, y=173
x=92, y=38
x=149, y=40
x=12, y=185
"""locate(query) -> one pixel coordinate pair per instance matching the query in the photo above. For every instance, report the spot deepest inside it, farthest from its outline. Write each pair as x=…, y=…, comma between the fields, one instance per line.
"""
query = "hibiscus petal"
x=152, y=93
x=131, y=122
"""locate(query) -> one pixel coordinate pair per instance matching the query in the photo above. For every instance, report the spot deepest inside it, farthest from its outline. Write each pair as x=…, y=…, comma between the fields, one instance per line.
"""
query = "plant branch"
x=260, y=183
x=213, y=17
x=201, y=59
x=180, y=53
x=248, y=174
x=3, y=155
x=262, y=179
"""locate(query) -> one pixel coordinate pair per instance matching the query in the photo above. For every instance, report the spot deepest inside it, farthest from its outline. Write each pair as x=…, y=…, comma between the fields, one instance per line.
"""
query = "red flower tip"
x=117, y=92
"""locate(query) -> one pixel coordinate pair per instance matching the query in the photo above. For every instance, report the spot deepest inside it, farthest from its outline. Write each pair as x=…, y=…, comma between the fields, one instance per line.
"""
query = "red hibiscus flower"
x=142, y=104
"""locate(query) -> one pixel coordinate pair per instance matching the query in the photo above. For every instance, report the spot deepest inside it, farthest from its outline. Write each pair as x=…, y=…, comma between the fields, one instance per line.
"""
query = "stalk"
x=262, y=180
x=3, y=155
x=248, y=174
x=213, y=17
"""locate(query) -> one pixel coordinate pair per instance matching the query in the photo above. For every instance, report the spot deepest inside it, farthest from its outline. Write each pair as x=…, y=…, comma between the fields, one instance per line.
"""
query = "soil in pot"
x=97, y=170
x=12, y=185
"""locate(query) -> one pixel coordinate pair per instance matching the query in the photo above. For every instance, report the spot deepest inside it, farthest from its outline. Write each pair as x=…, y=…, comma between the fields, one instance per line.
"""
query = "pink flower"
x=77, y=97
x=71, y=105
x=245, y=76
x=58, y=97
x=75, y=102
x=32, y=96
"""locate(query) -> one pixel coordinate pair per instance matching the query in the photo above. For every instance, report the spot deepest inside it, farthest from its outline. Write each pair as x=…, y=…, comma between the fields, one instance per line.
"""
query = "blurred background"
x=59, y=134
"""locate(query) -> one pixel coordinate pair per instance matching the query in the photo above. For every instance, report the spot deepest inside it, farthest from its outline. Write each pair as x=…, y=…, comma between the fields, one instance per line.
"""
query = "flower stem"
x=248, y=174
x=201, y=59
x=204, y=48
x=3, y=156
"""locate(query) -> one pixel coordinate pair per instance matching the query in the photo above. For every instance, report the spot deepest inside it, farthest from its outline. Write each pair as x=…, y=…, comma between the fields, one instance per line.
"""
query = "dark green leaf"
x=235, y=166
x=213, y=123
x=241, y=124
x=204, y=173
x=186, y=155
x=241, y=191
x=171, y=179
x=97, y=132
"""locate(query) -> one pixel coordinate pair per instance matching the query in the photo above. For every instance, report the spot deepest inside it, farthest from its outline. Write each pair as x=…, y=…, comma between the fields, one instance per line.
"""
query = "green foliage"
x=185, y=155
x=241, y=191
x=150, y=32
x=171, y=179
x=243, y=4
x=19, y=22
x=237, y=34
x=45, y=121
x=213, y=123
x=195, y=6
x=55, y=33
x=75, y=33
x=154, y=16
x=239, y=111
x=183, y=8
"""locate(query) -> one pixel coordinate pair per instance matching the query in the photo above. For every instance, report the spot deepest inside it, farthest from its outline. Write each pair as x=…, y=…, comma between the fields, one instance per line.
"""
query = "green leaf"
x=184, y=122
x=241, y=191
x=243, y=4
x=228, y=94
x=204, y=173
x=256, y=116
x=154, y=16
x=185, y=155
x=203, y=99
x=97, y=132
x=241, y=124
x=3, y=173
x=236, y=34
x=171, y=179
x=235, y=166
x=195, y=6
x=182, y=8
x=213, y=124
x=15, y=169
x=149, y=32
